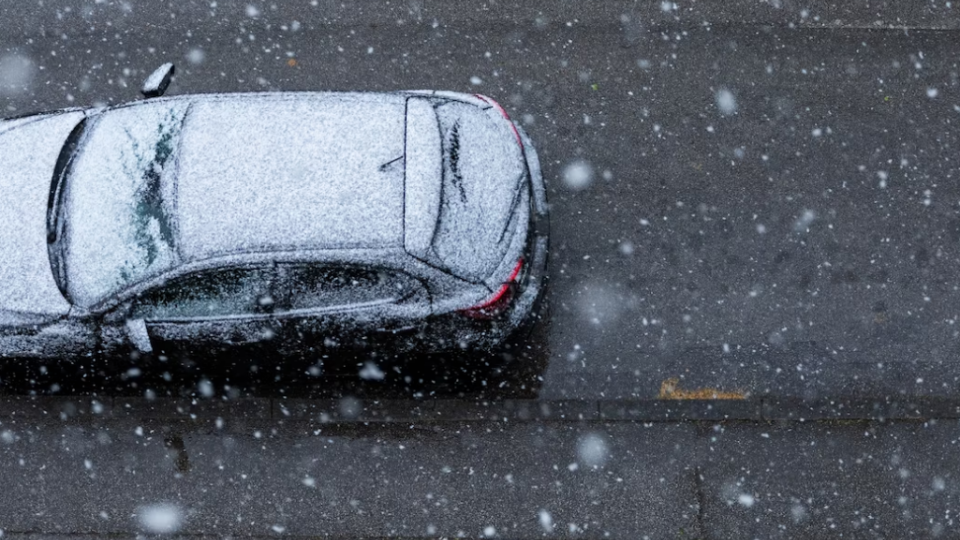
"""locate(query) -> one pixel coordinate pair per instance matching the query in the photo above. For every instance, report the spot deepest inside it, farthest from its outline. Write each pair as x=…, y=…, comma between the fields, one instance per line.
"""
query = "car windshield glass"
x=118, y=202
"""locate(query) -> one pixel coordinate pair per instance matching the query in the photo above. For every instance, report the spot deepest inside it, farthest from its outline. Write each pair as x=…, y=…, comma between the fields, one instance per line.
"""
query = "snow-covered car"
x=293, y=219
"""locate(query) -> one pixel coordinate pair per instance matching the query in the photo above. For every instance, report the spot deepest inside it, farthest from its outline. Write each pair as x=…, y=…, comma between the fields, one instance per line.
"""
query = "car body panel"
x=28, y=155
x=64, y=339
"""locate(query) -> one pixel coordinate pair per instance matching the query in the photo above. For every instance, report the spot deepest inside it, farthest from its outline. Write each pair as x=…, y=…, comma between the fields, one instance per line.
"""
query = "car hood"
x=28, y=155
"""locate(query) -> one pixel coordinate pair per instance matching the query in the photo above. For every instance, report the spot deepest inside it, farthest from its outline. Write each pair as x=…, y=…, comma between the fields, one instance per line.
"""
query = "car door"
x=206, y=312
x=330, y=306
x=59, y=338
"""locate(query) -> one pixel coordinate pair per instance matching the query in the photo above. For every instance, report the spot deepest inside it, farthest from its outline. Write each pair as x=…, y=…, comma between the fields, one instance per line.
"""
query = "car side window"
x=304, y=287
x=224, y=293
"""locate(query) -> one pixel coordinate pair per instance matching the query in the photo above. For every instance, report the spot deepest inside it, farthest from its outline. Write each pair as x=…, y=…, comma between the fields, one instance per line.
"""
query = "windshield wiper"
x=386, y=165
x=55, y=222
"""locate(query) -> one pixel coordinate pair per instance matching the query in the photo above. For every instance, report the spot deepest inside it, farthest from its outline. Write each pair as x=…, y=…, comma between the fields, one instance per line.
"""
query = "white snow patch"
x=279, y=529
x=746, y=500
x=160, y=518
x=476, y=80
x=726, y=102
x=371, y=372
x=546, y=521
x=667, y=7
x=593, y=450
x=577, y=175
x=489, y=531
x=252, y=11
x=932, y=92
x=817, y=132
x=16, y=74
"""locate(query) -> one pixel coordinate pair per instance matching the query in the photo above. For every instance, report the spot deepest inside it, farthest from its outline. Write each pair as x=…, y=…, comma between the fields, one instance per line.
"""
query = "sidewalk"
x=518, y=470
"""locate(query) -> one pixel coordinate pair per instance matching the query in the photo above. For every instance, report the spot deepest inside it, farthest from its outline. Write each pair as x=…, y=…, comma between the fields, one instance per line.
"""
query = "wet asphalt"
x=749, y=201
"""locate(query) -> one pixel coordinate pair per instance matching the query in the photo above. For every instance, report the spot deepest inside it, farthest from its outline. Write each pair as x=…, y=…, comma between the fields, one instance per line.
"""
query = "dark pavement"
x=508, y=473
x=751, y=198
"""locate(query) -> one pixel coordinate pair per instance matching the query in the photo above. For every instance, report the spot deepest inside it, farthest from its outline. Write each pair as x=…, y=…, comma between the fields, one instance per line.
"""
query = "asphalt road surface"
x=753, y=200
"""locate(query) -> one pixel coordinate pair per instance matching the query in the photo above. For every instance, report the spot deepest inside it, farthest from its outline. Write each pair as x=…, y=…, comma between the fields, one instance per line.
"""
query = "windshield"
x=116, y=215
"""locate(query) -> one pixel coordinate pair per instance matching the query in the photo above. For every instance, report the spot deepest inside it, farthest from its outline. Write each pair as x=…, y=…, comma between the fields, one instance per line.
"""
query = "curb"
x=350, y=410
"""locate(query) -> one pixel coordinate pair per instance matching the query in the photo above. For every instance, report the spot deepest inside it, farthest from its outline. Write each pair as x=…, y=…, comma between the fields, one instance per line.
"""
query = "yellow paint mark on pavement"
x=669, y=389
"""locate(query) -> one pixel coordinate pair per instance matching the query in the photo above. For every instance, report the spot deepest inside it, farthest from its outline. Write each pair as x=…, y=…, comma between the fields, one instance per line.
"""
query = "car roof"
x=282, y=172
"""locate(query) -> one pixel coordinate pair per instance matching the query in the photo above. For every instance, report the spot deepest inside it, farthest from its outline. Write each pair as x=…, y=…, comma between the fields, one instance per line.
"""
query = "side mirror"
x=137, y=332
x=158, y=81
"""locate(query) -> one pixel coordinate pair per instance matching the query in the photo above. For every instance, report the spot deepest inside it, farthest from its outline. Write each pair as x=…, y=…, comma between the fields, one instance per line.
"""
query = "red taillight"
x=499, y=302
x=497, y=106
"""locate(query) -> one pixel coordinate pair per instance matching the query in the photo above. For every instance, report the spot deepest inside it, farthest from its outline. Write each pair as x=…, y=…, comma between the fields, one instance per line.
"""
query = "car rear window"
x=482, y=172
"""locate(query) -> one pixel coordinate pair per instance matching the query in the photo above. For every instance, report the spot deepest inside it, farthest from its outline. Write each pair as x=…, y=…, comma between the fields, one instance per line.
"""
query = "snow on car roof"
x=321, y=171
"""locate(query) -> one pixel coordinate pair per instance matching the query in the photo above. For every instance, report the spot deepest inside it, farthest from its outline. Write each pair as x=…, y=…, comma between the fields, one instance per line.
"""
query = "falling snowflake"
x=371, y=372
x=546, y=521
x=160, y=518
x=593, y=450
x=578, y=175
x=726, y=102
